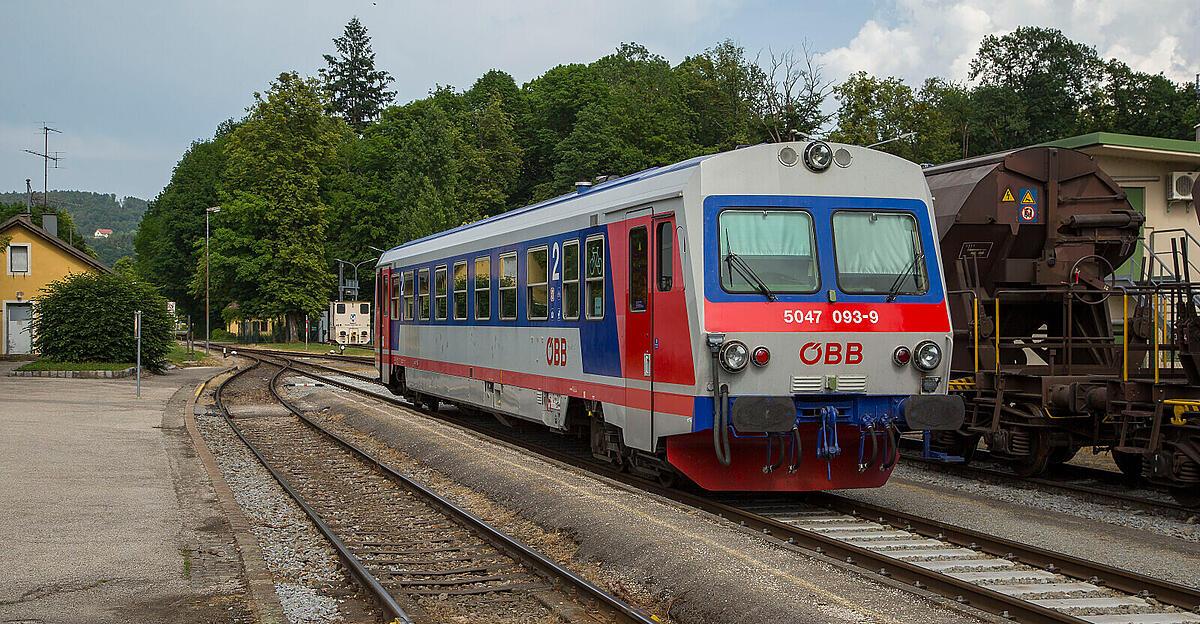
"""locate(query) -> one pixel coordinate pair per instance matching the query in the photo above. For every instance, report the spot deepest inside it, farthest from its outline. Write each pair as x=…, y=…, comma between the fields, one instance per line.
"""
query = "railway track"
x=422, y=557
x=1079, y=480
x=1003, y=577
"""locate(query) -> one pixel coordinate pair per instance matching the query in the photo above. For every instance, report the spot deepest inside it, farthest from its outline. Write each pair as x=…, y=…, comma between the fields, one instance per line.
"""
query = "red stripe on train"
x=781, y=316
x=637, y=398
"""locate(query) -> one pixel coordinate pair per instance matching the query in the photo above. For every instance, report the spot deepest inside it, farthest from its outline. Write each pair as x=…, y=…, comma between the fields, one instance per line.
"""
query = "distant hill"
x=93, y=211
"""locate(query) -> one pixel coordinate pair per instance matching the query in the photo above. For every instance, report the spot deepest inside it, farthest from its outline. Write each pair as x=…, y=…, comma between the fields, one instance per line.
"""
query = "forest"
x=87, y=212
x=327, y=167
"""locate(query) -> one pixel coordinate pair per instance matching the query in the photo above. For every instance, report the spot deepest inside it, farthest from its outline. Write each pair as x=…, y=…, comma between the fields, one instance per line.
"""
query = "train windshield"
x=878, y=253
x=767, y=251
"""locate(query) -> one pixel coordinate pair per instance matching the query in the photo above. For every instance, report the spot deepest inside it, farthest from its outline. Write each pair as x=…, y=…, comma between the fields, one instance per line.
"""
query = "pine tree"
x=357, y=91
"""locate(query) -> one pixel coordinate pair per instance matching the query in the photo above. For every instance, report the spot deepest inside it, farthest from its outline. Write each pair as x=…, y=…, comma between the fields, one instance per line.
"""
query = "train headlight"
x=901, y=356
x=818, y=156
x=928, y=356
x=734, y=356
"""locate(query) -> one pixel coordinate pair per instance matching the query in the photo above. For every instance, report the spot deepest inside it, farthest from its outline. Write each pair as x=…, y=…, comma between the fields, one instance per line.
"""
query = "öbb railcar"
x=764, y=319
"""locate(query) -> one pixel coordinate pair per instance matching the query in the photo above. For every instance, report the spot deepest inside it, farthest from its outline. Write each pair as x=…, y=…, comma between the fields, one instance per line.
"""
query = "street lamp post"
x=207, y=315
x=355, y=265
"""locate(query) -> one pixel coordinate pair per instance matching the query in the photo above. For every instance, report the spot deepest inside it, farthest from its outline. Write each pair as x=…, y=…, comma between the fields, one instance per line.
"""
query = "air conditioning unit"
x=1182, y=184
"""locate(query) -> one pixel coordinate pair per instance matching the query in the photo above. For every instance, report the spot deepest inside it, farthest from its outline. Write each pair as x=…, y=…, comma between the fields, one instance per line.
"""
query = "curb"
x=264, y=602
x=70, y=374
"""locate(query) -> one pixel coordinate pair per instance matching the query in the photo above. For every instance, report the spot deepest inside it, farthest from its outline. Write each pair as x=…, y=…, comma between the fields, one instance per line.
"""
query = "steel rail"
x=961, y=591
x=352, y=562
x=1103, y=476
x=511, y=546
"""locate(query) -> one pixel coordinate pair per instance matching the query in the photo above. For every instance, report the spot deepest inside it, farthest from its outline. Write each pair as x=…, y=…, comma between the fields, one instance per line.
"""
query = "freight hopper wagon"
x=1056, y=346
x=763, y=319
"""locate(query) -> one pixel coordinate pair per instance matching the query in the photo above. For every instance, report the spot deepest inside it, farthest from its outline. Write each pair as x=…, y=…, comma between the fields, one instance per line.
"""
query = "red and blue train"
x=764, y=319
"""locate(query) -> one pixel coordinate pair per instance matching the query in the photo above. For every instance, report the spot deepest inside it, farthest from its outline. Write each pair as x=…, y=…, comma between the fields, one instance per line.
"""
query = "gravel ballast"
x=309, y=579
x=1144, y=542
x=702, y=569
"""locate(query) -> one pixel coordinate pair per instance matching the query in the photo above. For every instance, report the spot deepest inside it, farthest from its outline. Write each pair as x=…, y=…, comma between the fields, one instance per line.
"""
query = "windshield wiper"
x=911, y=269
x=747, y=272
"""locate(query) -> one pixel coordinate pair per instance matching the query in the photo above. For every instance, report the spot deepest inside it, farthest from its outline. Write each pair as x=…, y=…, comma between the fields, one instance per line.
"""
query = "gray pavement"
x=108, y=516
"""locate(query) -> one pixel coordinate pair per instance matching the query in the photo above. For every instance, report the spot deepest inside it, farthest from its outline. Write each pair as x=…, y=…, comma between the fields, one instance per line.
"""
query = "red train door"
x=647, y=277
x=383, y=314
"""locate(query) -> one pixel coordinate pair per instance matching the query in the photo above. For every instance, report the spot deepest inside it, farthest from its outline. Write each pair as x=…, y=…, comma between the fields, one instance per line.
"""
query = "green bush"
x=220, y=335
x=89, y=318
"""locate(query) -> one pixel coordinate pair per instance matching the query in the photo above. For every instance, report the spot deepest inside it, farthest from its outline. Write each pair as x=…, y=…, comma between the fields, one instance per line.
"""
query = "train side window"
x=570, y=280
x=460, y=291
x=666, y=251
x=395, y=297
x=639, y=265
x=423, y=298
x=508, y=287
x=409, y=291
x=439, y=293
x=483, y=288
x=594, y=277
x=537, y=296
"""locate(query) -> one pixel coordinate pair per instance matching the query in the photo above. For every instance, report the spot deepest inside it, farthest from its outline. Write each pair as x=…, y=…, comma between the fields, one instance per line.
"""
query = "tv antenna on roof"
x=46, y=157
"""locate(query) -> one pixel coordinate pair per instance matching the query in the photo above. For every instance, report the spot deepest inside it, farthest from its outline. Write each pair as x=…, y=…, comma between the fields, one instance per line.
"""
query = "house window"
x=536, y=296
x=508, y=287
x=460, y=291
x=570, y=294
x=18, y=258
x=594, y=277
x=483, y=288
x=423, y=294
x=439, y=293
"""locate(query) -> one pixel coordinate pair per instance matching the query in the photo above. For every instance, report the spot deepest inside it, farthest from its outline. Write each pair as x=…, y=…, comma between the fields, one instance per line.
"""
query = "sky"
x=131, y=83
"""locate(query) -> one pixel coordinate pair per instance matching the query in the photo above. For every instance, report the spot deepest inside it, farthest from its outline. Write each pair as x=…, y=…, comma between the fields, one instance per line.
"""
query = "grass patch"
x=179, y=355
x=313, y=347
x=51, y=365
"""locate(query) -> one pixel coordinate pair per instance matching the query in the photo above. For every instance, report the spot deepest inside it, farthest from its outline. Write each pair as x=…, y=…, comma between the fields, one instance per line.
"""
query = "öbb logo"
x=831, y=353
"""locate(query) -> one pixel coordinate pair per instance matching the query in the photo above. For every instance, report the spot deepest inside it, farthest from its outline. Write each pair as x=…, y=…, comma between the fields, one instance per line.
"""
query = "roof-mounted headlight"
x=818, y=156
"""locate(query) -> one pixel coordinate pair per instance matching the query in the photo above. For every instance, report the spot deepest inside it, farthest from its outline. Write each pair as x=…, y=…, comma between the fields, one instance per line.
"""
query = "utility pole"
x=46, y=158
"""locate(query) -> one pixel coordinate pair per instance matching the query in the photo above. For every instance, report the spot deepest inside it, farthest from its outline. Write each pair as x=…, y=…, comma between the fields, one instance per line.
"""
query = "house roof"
x=1131, y=143
x=25, y=222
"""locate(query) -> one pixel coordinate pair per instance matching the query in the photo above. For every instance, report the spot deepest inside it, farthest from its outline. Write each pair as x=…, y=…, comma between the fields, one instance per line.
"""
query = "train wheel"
x=955, y=443
x=1129, y=463
x=1038, y=458
x=1188, y=496
x=1062, y=455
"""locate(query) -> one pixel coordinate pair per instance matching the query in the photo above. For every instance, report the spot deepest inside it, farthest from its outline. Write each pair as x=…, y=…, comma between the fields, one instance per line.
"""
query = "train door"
x=646, y=237
x=385, y=310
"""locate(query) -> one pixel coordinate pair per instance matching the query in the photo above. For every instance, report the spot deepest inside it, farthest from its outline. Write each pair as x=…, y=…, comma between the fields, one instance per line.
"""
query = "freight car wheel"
x=1038, y=459
x=1129, y=463
x=1188, y=496
x=1062, y=455
x=955, y=443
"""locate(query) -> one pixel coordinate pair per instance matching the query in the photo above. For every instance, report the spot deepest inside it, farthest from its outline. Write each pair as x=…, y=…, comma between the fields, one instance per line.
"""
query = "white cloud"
x=921, y=38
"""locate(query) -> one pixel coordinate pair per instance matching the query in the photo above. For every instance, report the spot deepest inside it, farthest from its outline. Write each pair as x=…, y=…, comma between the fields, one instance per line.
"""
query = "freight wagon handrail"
x=1066, y=342
x=974, y=321
x=1174, y=235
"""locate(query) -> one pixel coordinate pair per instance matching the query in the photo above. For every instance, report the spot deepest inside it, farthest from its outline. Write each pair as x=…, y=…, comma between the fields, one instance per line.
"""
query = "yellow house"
x=33, y=258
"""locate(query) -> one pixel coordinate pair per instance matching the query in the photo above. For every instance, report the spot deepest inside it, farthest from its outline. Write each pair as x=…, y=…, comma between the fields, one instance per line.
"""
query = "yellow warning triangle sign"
x=1027, y=198
x=1008, y=196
